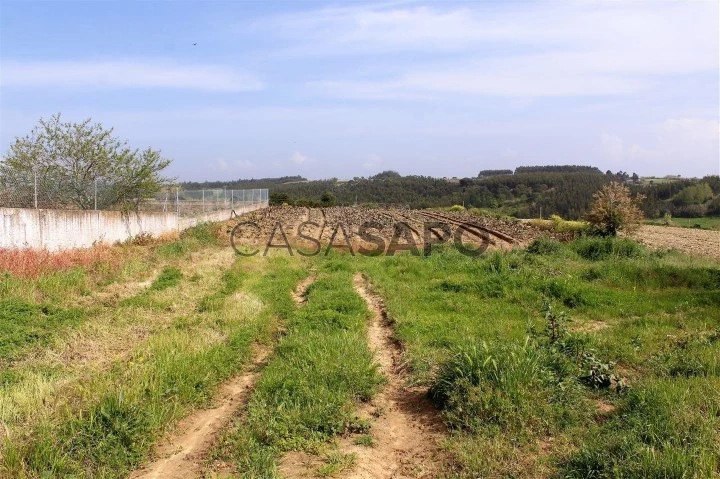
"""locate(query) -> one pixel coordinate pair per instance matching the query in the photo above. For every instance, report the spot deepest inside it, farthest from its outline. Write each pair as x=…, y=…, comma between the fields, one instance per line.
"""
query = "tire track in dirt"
x=405, y=426
x=182, y=454
x=299, y=294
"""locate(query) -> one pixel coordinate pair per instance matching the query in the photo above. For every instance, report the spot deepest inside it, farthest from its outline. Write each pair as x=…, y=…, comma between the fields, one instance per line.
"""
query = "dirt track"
x=181, y=455
x=406, y=426
x=688, y=240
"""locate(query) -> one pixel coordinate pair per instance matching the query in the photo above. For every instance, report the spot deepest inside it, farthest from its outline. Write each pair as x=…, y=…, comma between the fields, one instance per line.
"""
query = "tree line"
x=526, y=192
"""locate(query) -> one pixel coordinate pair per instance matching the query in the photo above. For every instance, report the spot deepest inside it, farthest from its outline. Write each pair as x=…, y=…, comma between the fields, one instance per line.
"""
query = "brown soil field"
x=688, y=240
x=339, y=225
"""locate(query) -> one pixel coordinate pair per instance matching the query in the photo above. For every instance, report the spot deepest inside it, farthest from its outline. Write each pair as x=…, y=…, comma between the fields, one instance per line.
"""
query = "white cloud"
x=245, y=164
x=547, y=49
x=298, y=158
x=612, y=147
x=692, y=129
x=220, y=165
x=689, y=145
x=372, y=163
x=146, y=73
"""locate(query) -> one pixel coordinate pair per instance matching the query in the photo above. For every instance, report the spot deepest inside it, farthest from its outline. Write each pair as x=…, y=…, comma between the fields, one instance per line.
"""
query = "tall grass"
x=31, y=263
x=111, y=420
x=633, y=317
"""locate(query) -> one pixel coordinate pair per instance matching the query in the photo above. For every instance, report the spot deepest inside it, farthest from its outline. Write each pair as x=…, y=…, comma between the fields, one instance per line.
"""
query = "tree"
x=613, y=209
x=327, y=199
x=693, y=195
x=279, y=198
x=77, y=164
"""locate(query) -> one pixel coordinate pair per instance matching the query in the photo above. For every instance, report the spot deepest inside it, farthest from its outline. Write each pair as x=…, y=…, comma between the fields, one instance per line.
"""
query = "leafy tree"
x=73, y=161
x=327, y=199
x=714, y=206
x=613, y=209
x=693, y=195
x=484, y=173
x=387, y=174
x=279, y=198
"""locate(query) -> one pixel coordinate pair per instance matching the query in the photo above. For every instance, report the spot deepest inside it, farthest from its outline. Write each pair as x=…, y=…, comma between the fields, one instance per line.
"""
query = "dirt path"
x=299, y=295
x=181, y=455
x=405, y=424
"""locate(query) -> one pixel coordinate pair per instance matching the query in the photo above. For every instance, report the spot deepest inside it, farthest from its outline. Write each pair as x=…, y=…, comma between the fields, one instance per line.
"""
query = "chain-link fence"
x=199, y=202
x=98, y=195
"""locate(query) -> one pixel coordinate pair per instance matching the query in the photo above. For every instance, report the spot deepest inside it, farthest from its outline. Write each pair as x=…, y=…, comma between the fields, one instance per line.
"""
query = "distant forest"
x=526, y=192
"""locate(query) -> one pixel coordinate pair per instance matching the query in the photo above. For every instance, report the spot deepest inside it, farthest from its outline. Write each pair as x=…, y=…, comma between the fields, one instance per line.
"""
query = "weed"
x=24, y=324
x=168, y=278
x=597, y=249
x=544, y=246
x=364, y=440
x=336, y=462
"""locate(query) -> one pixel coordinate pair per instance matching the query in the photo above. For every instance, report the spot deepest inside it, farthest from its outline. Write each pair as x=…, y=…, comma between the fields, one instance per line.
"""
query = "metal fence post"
x=203, y=200
x=95, y=194
x=177, y=202
x=35, y=183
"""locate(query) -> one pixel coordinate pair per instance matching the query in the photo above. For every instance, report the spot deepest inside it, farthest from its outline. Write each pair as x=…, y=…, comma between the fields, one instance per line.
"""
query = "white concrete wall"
x=56, y=230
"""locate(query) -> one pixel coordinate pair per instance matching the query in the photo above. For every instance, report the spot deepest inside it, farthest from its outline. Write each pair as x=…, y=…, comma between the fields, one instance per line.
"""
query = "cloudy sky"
x=350, y=89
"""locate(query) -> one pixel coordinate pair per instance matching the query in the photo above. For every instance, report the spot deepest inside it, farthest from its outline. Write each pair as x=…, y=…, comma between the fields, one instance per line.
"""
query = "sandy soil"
x=687, y=240
x=182, y=453
x=300, y=292
x=405, y=426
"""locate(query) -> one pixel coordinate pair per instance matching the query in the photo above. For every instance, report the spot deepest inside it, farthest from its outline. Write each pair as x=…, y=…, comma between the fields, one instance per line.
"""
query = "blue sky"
x=350, y=89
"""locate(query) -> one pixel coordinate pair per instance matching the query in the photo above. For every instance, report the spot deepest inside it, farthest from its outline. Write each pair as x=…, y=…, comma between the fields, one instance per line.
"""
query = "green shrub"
x=509, y=387
x=564, y=226
x=544, y=246
x=597, y=249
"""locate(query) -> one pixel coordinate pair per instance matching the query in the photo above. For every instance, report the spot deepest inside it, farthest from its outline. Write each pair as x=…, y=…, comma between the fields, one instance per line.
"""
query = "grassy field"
x=705, y=222
x=595, y=358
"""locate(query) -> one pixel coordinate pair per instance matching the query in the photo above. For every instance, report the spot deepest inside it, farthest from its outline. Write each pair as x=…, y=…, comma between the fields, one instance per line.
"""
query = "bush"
x=456, y=208
x=505, y=386
x=511, y=388
x=597, y=249
x=690, y=211
x=613, y=209
x=544, y=246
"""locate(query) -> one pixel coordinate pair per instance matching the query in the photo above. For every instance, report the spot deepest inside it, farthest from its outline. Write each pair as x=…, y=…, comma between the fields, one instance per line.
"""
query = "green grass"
x=308, y=392
x=518, y=350
x=169, y=277
x=202, y=235
x=24, y=324
x=116, y=417
x=705, y=222
x=476, y=332
x=335, y=462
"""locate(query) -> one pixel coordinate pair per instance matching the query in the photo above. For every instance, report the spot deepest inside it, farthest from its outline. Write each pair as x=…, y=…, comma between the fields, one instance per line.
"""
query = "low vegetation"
x=594, y=357
x=309, y=392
